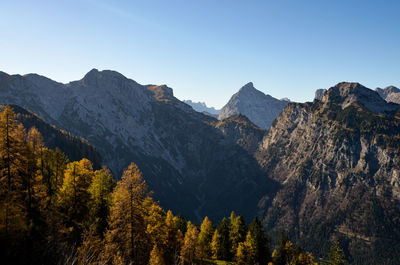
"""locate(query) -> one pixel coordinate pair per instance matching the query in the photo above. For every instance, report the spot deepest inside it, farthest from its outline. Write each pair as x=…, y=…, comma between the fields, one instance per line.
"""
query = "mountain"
x=73, y=147
x=390, y=94
x=337, y=161
x=261, y=109
x=319, y=93
x=202, y=107
x=194, y=167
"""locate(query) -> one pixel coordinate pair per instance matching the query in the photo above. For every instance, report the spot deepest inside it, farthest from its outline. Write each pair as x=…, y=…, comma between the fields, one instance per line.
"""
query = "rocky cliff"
x=337, y=160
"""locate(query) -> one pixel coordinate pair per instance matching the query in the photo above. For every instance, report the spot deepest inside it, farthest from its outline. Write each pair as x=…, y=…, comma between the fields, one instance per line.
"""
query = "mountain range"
x=319, y=170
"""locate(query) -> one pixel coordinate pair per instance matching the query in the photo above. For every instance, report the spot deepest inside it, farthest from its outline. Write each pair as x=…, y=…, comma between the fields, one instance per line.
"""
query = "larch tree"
x=188, y=251
x=126, y=239
x=174, y=239
x=12, y=171
x=216, y=244
x=100, y=199
x=74, y=197
x=156, y=257
x=204, y=239
x=237, y=232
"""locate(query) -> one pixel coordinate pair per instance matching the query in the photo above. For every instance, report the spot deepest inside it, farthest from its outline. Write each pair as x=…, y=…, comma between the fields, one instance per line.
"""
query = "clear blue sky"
x=206, y=50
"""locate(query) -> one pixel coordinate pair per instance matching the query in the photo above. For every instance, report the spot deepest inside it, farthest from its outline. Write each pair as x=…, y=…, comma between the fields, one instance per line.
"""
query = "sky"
x=206, y=50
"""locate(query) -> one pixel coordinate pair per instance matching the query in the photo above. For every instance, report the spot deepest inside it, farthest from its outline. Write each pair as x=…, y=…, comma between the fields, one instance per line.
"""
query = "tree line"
x=54, y=211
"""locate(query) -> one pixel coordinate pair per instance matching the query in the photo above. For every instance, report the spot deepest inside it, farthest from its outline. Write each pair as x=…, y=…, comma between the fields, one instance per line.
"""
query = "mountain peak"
x=347, y=93
x=247, y=87
x=261, y=109
x=94, y=76
x=385, y=92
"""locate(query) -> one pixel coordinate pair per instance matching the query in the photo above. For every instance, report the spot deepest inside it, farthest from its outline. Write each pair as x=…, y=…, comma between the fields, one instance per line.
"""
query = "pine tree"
x=188, y=251
x=204, y=240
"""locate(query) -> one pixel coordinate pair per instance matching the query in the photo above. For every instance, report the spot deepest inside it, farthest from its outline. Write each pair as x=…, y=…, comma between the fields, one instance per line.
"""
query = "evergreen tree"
x=281, y=256
x=259, y=242
x=225, y=243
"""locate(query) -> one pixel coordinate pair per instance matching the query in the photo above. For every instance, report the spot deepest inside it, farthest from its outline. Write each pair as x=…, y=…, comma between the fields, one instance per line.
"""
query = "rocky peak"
x=347, y=93
x=97, y=78
x=161, y=92
x=385, y=92
x=319, y=93
x=261, y=109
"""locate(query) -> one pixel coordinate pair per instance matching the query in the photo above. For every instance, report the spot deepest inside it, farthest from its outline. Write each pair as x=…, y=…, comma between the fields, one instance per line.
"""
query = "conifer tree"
x=225, y=243
x=336, y=255
x=188, y=251
x=100, y=199
x=126, y=239
x=156, y=257
x=259, y=242
x=74, y=197
x=204, y=240
x=174, y=239
x=237, y=231
x=216, y=244
x=12, y=169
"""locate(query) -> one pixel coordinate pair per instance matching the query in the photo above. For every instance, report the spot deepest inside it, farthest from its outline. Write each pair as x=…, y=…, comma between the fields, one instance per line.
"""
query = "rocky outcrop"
x=337, y=160
x=319, y=93
x=261, y=109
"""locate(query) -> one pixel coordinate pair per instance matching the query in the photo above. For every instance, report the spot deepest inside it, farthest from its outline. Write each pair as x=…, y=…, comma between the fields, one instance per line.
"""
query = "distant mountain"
x=261, y=109
x=337, y=160
x=390, y=94
x=202, y=107
x=193, y=165
x=73, y=147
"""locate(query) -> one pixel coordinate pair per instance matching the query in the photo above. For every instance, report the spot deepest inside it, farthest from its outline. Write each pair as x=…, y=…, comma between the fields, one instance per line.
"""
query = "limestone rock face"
x=259, y=108
x=319, y=93
x=390, y=94
x=193, y=167
x=337, y=160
